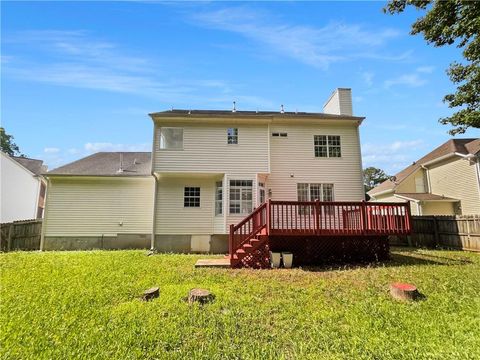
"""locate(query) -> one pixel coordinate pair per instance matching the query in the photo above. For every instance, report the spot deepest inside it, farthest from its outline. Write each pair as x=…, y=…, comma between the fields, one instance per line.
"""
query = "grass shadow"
x=398, y=257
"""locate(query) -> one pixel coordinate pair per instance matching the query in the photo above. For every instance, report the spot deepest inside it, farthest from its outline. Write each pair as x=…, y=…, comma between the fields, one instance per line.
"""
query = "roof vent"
x=234, y=106
x=281, y=109
x=120, y=169
x=189, y=112
x=135, y=162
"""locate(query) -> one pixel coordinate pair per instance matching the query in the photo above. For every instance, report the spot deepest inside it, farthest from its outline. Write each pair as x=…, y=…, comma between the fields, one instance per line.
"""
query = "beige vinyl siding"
x=293, y=161
x=172, y=218
x=456, y=179
x=96, y=206
x=205, y=150
x=438, y=208
x=408, y=185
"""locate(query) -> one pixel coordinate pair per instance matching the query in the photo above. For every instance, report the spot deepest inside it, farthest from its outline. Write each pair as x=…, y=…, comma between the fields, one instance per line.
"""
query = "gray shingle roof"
x=230, y=113
x=34, y=165
x=108, y=164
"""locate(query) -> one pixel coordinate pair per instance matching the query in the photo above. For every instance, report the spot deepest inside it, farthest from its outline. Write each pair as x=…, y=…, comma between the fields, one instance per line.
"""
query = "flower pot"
x=275, y=259
x=287, y=259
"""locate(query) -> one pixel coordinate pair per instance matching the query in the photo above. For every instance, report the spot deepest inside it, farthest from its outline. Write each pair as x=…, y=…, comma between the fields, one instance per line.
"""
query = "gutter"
x=382, y=192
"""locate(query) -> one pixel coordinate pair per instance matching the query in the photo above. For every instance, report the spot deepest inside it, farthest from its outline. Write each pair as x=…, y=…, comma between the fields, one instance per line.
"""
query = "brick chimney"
x=339, y=103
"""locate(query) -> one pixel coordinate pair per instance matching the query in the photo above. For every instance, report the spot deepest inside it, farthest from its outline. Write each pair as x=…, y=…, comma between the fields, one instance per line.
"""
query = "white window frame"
x=232, y=138
x=160, y=138
x=329, y=147
x=245, y=205
x=219, y=198
x=321, y=190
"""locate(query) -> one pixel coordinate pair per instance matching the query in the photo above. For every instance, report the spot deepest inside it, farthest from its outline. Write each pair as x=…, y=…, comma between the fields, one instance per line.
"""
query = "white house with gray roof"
x=208, y=169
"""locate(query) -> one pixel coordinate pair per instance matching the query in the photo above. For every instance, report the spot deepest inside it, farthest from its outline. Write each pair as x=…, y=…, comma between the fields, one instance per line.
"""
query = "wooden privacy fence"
x=457, y=232
x=20, y=235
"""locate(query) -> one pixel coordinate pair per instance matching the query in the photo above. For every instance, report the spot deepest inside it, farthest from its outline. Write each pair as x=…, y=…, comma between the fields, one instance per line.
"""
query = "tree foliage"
x=450, y=22
x=7, y=144
x=373, y=176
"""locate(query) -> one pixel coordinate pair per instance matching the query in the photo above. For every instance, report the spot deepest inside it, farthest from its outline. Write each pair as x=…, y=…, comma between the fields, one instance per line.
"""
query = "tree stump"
x=151, y=293
x=404, y=291
x=201, y=296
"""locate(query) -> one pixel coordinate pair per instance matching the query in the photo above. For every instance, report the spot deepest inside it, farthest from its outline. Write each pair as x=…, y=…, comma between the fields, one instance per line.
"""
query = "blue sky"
x=80, y=77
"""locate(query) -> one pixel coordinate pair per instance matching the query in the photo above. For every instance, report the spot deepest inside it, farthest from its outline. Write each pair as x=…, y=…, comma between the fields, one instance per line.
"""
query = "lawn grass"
x=59, y=305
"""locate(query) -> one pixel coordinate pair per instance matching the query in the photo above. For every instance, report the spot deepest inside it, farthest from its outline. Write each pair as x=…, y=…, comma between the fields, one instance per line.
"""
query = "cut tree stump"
x=404, y=291
x=201, y=296
x=151, y=293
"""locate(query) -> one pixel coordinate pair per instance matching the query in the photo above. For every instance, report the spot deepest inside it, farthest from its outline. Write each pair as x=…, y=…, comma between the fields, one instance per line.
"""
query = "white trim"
x=425, y=200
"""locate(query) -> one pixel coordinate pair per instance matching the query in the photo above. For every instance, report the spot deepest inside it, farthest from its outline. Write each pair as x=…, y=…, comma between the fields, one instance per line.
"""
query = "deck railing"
x=321, y=218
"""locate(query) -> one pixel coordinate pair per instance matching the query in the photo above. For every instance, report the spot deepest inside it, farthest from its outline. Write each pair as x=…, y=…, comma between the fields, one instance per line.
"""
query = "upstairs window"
x=279, y=134
x=171, y=138
x=232, y=136
x=327, y=146
x=241, y=196
x=191, y=197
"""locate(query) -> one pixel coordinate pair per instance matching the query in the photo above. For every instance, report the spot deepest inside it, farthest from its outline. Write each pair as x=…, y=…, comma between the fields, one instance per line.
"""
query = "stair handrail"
x=252, y=232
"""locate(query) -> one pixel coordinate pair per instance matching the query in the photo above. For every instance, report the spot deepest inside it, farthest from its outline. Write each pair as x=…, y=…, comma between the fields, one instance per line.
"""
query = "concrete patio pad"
x=213, y=263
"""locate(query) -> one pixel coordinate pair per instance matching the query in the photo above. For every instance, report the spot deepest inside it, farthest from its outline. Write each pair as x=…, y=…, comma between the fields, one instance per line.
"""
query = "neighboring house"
x=209, y=169
x=446, y=181
x=22, y=188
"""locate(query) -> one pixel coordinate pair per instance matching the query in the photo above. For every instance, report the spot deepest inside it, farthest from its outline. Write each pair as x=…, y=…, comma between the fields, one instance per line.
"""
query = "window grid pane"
x=191, y=197
x=241, y=196
x=232, y=136
x=327, y=146
x=218, y=198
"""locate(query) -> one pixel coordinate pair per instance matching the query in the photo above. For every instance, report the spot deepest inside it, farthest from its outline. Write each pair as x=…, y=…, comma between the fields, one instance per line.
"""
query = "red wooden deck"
x=248, y=240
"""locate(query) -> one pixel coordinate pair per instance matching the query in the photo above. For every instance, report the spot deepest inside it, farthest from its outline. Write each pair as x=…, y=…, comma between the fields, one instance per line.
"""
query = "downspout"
x=429, y=189
x=419, y=208
x=48, y=190
x=155, y=191
x=361, y=163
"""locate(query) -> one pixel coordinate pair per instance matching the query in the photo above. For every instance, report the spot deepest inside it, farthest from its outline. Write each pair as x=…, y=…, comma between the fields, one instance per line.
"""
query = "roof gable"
x=452, y=146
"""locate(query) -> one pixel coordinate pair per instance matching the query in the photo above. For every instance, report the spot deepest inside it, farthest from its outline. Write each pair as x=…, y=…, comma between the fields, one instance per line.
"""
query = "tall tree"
x=448, y=22
x=373, y=176
x=7, y=144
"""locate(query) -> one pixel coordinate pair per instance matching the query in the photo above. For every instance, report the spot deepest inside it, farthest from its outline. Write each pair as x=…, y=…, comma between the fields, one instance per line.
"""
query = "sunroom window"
x=241, y=196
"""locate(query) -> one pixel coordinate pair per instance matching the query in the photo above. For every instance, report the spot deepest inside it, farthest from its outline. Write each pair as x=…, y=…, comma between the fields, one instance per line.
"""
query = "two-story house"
x=208, y=169
x=22, y=191
x=446, y=181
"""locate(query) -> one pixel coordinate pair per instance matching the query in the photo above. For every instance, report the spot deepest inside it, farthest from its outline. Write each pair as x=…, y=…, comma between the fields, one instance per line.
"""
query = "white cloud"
x=410, y=80
x=367, y=77
x=106, y=146
x=51, y=150
x=316, y=46
x=426, y=69
x=392, y=156
x=76, y=59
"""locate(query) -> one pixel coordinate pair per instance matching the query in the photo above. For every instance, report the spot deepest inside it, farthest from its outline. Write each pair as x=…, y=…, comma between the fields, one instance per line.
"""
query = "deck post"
x=230, y=241
x=317, y=216
x=363, y=216
x=269, y=218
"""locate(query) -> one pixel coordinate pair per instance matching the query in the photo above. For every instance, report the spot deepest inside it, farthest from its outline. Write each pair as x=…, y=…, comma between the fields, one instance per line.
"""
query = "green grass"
x=59, y=305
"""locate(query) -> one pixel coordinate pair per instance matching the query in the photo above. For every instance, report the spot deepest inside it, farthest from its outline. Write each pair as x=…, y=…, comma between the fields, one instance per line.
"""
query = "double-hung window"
x=232, y=136
x=327, y=146
x=191, y=197
x=171, y=138
x=241, y=196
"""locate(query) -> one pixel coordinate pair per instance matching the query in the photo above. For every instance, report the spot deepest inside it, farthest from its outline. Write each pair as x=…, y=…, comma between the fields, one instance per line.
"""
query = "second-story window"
x=327, y=146
x=171, y=138
x=232, y=136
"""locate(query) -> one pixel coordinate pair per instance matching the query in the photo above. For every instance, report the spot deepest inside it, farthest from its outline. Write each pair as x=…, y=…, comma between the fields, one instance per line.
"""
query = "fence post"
x=10, y=236
x=435, y=231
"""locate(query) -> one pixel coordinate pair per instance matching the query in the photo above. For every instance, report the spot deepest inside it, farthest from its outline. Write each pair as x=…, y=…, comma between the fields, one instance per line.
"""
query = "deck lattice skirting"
x=317, y=231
